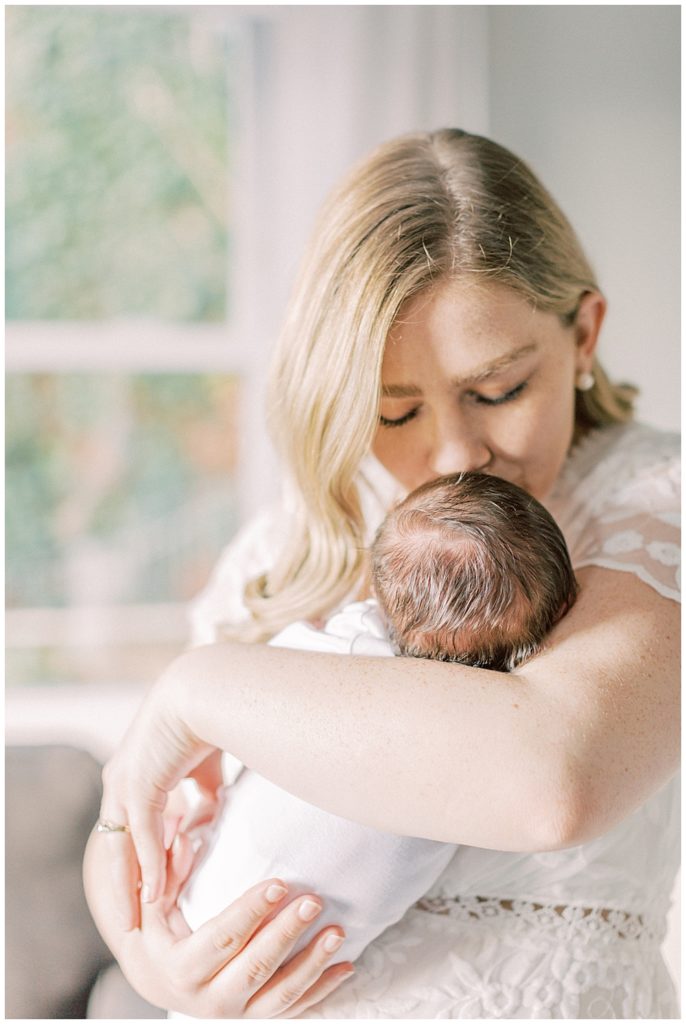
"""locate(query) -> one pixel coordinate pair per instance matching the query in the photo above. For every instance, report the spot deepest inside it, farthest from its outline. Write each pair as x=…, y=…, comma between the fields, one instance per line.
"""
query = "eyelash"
x=509, y=396
x=399, y=423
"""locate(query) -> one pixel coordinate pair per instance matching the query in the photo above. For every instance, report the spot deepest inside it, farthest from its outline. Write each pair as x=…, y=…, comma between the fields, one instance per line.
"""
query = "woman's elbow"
x=571, y=816
x=536, y=817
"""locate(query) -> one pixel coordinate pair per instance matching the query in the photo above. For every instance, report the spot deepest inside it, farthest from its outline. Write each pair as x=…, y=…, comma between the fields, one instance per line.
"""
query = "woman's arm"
x=545, y=757
x=542, y=758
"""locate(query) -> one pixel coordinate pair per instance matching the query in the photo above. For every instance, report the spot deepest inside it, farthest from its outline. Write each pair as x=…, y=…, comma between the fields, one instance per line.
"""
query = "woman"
x=445, y=320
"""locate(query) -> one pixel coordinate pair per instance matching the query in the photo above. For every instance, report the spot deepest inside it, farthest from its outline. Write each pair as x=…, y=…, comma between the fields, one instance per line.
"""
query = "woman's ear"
x=587, y=323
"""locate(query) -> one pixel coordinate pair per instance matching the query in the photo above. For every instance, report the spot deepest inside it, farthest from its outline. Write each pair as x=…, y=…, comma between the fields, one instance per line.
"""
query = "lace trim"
x=564, y=921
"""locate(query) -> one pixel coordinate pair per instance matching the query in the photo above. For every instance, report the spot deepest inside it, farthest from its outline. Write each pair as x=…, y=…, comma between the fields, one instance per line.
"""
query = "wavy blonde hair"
x=421, y=208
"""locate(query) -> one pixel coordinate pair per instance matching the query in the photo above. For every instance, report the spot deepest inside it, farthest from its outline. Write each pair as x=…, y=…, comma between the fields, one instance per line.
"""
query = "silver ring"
x=108, y=826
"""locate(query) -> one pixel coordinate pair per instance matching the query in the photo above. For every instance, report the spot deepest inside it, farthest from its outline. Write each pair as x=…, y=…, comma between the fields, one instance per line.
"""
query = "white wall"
x=589, y=96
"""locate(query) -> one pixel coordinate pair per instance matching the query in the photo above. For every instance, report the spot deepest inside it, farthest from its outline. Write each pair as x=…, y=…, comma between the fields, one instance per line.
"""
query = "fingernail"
x=275, y=893
x=145, y=893
x=333, y=942
x=308, y=910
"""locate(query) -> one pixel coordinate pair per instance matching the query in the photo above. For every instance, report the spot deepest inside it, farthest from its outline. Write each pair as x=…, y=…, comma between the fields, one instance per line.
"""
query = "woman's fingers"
x=328, y=983
x=304, y=980
x=275, y=941
x=165, y=914
x=147, y=831
x=179, y=864
x=221, y=939
x=175, y=810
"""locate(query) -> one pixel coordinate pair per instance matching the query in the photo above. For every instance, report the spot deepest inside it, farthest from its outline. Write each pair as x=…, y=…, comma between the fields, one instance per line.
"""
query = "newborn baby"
x=468, y=568
x=471, y=568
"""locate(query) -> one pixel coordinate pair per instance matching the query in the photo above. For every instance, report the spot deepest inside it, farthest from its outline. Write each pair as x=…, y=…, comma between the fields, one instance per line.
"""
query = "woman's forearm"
x=531, y=760
x=391, y=743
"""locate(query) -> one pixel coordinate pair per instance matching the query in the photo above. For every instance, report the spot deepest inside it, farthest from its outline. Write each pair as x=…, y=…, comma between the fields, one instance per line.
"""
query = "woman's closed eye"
x=508, y=396
x=385, y=422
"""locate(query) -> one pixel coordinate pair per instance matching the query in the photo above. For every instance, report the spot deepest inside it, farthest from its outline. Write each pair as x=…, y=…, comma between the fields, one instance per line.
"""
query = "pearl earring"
x=584, y=381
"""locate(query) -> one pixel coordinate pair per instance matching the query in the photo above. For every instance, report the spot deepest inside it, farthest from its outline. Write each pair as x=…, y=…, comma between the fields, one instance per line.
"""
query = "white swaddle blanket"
x=367, y=879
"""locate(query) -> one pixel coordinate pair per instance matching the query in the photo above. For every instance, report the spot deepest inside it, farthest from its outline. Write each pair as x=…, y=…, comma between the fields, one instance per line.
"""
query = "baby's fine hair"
x=472, y=569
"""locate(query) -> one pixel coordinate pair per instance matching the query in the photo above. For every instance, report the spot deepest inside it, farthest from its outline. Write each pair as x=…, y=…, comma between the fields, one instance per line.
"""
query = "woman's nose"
x=458, y=451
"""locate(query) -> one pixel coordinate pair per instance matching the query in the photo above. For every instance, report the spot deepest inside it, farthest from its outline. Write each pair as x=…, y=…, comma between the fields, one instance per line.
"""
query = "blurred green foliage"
x=117, y=165
x=121, y=488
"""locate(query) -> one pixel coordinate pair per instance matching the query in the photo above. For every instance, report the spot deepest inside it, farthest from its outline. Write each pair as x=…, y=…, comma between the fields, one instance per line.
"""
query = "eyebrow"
x=478, y=375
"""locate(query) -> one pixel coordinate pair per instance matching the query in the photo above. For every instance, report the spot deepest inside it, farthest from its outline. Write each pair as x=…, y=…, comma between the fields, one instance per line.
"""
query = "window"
x=123, y=376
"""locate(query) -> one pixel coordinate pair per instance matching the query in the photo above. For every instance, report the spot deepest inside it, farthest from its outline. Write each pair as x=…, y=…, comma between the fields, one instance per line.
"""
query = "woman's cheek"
x=383, y=449
x=516, y=436
x=389, y=452
x=400, y=453
x=548, y=449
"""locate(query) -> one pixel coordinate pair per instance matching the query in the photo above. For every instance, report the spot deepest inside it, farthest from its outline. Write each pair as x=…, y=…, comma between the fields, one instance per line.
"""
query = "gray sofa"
x=56, y=966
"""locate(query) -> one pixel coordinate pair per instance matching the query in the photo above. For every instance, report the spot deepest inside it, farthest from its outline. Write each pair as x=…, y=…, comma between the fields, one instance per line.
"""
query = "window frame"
x=132, y=345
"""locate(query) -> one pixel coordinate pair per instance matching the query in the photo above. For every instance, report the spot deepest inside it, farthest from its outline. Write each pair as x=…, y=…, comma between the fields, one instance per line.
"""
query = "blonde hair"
x=470, y=568
x=421, y=208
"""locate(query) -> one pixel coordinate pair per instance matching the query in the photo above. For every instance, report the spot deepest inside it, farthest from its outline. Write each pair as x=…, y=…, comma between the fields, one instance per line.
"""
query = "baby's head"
x=471, y=568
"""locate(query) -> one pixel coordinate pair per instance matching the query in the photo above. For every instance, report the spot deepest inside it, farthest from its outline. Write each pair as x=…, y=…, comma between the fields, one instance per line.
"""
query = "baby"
x=468, y=568
x=471, y=568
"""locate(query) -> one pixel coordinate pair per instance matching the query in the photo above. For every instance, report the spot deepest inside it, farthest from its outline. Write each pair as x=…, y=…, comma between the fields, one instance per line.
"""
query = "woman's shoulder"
x=618, y=503
x=625, y=449
x=633, y=464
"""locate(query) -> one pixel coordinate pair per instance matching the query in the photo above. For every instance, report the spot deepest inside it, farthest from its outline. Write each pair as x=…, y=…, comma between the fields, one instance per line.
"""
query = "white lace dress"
x=570, y=934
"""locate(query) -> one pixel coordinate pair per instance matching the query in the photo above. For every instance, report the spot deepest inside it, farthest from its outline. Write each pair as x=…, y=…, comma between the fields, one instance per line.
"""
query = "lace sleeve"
x=637, y=529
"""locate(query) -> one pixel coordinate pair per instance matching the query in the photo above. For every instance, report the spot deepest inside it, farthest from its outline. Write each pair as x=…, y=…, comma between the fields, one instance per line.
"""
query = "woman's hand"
x=156, y=752
x=233, y=966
